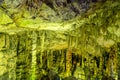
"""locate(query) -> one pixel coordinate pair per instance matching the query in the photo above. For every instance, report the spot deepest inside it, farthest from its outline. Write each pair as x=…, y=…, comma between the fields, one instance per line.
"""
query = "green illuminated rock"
x=36, y=41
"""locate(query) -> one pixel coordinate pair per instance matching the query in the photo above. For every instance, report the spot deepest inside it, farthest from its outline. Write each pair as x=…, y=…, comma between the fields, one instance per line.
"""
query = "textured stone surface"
x=85, y=47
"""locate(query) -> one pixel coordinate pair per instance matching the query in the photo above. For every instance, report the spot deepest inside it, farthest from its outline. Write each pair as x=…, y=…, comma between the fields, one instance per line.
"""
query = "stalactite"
x=74, y=63
x=80, y=59
x=118, y=58
x=28, y=60
x=76, y=42
x=42, y=45
x=62, y=60
x=48, y=59
x=112, y=69
x=59, y=60
x=44, y=60
x=68, y=39
x=54, y=59
x=33, y=63
x=18, y=45
x=18, y=66
x=6, y=42
x=51, y=58
x=113, y=65
x=24, y=51
x=38, y=55
x=68, y=61
x=38, y=40
x=12, y=56
x=73, y=41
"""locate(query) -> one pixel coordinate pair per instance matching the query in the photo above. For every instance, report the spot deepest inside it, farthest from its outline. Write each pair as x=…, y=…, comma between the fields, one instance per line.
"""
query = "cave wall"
x=86, y=47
